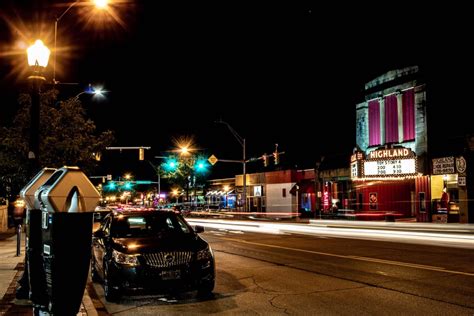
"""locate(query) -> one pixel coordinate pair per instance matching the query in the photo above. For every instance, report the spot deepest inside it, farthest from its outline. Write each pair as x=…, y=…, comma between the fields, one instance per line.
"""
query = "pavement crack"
x=285, y=310
x=262, y=289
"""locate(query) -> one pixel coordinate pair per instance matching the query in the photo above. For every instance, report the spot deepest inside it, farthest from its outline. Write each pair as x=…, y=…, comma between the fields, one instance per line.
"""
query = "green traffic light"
x=170, y=165
x=200, y=165
x=127, y=186
x=111, y=186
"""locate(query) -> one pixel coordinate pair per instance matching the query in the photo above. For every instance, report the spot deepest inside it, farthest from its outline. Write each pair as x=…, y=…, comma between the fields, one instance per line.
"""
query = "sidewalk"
x=11, y=269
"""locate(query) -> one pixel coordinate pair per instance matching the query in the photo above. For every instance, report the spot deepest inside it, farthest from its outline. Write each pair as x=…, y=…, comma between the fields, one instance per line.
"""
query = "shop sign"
x=391, y=153
x=354, y=169
x=462, y=181
x=443, y=165
x=357, y=156
x=325, y=200
x=461, y=165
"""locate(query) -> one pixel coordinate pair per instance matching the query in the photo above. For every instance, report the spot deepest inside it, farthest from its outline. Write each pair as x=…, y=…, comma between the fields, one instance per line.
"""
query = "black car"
x=151, y=250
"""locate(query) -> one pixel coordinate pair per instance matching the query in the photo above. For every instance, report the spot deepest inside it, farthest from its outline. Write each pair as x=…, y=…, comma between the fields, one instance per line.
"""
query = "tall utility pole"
x=244, y=161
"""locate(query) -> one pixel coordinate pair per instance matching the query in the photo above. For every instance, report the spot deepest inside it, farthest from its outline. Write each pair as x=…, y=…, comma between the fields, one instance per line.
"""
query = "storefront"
x=449, y=191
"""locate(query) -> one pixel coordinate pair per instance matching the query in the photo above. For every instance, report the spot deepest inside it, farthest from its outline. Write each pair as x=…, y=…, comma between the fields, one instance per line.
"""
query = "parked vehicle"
x=151, y=250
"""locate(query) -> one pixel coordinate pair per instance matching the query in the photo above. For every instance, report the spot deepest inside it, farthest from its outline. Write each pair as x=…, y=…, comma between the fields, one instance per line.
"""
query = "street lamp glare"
x=38, y=54
x=184, y=150
x=98, y=91
x=101, y=4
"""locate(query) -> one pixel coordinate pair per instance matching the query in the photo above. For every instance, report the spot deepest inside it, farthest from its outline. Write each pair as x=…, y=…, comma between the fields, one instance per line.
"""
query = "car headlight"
x=205, y=254
x=123, y=258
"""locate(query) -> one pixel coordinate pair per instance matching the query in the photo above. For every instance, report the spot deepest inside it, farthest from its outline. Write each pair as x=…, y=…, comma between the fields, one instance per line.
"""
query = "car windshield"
x=148, y=225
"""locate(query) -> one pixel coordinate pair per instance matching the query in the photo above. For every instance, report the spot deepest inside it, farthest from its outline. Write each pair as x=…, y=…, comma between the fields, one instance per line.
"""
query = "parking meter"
x=67, y=201
x=32, y=284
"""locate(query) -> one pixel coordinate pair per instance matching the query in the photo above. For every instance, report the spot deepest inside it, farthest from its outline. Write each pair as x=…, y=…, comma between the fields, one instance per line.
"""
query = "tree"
x=67, y=137
x=186, y=172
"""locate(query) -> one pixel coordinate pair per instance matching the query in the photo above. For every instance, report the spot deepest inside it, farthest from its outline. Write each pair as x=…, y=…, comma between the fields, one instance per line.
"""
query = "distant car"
x=150, y=250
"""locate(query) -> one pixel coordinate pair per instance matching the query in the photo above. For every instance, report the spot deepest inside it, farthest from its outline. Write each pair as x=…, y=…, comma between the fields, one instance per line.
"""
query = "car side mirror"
x=199, y=229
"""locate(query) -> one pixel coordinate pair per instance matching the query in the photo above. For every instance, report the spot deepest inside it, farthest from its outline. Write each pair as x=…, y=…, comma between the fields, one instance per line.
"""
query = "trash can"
x=32, y=283
x=67, y=200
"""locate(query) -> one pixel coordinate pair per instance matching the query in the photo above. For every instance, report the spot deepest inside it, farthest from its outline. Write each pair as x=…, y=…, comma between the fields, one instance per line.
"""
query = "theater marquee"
x=388, y=163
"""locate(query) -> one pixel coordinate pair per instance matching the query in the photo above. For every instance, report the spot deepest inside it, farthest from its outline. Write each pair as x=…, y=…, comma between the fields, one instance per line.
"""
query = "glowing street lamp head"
x=184, y=150
x=101, y=4
x=98, y=92
x=38, y=54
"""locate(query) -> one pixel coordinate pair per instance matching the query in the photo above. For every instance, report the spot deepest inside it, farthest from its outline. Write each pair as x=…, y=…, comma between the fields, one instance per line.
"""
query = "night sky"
x=289, y=74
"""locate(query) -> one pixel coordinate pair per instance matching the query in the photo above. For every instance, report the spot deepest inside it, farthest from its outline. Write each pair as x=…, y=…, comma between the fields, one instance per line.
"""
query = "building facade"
x=390, y=166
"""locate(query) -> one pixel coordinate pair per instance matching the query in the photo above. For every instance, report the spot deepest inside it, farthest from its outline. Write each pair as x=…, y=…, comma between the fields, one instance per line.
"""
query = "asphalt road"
x=275, y=274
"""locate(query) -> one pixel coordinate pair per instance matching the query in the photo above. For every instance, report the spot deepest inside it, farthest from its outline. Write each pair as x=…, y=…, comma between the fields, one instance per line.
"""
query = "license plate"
x=171, y=275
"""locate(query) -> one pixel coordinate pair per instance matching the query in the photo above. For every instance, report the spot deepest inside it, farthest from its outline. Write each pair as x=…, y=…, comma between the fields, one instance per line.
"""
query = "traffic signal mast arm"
x=126, y=148
x=141, y=150
x=251, y=159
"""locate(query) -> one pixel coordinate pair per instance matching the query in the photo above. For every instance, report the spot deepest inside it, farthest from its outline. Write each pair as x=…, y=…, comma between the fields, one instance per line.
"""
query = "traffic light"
x=127, y=186
x=265, y=160
x=170, y=165
x=276, y=156
x=141, y=153
x=200, y=165
x=111, y=186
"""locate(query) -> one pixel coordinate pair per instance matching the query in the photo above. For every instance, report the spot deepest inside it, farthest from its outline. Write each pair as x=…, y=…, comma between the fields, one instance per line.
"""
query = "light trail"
x=380, y=234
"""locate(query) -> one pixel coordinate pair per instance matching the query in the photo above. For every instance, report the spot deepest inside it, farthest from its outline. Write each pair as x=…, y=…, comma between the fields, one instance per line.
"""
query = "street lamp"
x=38, y=57
x=89, y=90
x=244, y=159
x=100, y=4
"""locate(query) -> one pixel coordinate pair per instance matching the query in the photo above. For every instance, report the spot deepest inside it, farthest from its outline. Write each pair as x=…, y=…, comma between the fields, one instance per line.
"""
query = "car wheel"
x=111, y=294
x=205, y=288
x=94, y=275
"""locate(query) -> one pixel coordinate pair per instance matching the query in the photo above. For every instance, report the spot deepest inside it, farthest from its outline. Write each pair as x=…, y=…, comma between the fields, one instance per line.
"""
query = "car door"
x=101, y=237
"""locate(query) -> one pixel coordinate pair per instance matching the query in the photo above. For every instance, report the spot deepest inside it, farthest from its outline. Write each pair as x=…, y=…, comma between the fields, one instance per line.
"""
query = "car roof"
x=128, y=212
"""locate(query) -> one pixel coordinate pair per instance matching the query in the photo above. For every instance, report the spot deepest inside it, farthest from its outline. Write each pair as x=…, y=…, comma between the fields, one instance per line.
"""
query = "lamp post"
x=244, y=160
x=38, y=56
x=100, y=4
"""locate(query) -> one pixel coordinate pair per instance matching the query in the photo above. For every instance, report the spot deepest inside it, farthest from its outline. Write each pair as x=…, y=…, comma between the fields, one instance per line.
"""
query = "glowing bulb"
x=101, y=4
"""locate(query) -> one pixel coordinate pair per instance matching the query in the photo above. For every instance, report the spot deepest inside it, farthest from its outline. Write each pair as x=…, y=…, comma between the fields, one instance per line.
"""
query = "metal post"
x=33, y=153
x=159, y=184
x=244, y=162
x=54, y=51
x=245, y=175
x=56, y=36
x=18, y=240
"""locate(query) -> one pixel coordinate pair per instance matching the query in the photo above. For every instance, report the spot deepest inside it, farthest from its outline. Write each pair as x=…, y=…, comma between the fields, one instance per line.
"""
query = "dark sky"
x=289, y=74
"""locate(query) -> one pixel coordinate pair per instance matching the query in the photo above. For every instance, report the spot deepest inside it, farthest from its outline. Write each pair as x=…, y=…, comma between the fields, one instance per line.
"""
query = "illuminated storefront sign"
x=396, y=163
x=325, y=198
x=354, y=170
x=390, y=153
x=393, y=167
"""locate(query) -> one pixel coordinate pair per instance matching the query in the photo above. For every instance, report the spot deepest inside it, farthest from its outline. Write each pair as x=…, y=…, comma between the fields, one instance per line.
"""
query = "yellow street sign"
x=212, y=160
